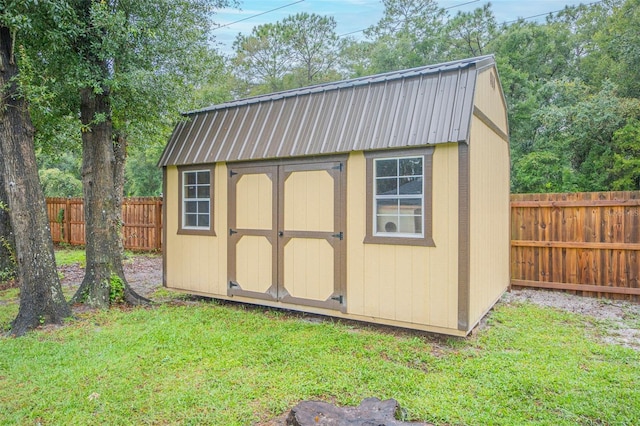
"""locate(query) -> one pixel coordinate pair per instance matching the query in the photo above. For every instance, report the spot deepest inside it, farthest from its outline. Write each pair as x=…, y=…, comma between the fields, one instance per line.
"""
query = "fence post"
x=67, y=221
x=158, y=224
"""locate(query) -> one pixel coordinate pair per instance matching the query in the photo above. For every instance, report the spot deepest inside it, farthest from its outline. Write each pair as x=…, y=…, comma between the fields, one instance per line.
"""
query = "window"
x=399, y=197
x=196, y=196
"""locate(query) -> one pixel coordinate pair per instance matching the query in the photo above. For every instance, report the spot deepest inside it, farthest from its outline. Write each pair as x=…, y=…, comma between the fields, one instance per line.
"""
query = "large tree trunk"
x=7, y=244
x=41, y=298
x=104, y=282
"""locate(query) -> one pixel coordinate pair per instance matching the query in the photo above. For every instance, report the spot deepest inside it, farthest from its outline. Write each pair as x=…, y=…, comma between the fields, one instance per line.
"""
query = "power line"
x=259, y=14
x=503, y=23
x=446, y=8
x=461, y=4
x=545, y=14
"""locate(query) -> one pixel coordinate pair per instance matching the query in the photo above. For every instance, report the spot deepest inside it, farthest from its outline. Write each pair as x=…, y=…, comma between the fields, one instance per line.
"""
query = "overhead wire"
x=358, y=31
x=545, y=14
x=446, y=8
x=503, y=23
x=258, y=14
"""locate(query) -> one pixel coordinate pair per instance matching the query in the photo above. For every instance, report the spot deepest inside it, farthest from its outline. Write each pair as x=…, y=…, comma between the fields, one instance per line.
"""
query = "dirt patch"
x=620, y=319
x=143, y=273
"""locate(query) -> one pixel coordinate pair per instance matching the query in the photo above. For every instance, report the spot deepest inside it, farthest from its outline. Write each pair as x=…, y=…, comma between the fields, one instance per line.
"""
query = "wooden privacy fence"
x=584, y=242
x=142, y=217
x=588, y=243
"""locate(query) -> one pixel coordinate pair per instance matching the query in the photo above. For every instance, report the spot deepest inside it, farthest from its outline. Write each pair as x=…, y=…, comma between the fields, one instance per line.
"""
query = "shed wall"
x=409, y=284
x=489, y=99
x=489, y=213
x=196, y=263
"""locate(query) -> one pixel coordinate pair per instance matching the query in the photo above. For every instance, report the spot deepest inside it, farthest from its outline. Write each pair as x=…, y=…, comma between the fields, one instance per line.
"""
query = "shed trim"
x=164, y=227
x=191, y=231
x=464, y=249
x=490, y=124
x=427, y=240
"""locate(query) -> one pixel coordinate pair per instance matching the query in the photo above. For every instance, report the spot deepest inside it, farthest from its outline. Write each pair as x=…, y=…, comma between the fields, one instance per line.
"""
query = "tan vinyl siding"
x=489, y=218
x=411, y=284
x=196, y=263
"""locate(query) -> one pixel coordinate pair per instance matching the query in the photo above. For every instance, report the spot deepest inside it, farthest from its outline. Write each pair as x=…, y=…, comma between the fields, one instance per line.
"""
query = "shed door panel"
x=253, y=236
x=311, y=237
x=286, y=233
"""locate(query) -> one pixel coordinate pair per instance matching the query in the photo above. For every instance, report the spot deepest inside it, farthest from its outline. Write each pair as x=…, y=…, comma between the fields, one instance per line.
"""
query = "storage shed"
x=382, y=199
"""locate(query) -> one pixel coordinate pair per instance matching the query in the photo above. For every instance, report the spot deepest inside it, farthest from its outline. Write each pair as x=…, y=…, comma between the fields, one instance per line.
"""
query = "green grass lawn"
x=208, y=363
x=70, y=256
x=74, y=255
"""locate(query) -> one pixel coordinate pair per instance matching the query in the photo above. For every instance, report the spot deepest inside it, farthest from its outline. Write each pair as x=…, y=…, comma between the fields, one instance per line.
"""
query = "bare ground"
x=143, y=273
x=619, y=319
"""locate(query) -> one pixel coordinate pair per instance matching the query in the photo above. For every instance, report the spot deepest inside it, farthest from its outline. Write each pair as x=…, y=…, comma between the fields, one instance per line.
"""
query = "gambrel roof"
x=420, y=106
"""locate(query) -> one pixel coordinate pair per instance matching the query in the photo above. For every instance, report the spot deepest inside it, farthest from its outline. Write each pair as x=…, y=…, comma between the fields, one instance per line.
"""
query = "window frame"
x=188, y=230
x=426, y=239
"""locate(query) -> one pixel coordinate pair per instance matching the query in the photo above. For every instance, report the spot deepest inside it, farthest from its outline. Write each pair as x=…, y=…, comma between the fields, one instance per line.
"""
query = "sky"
x=354, y=15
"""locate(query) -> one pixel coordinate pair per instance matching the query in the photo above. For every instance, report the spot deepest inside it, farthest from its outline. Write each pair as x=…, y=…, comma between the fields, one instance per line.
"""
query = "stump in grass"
x=371, y=412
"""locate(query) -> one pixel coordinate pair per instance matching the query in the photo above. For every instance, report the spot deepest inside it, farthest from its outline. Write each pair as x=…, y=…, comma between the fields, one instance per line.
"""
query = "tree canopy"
x=571, y=81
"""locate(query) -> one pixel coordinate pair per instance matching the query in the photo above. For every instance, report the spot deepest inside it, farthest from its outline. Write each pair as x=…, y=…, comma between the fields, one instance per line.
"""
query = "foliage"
x=264, y=57
x=56, y=183
x=116, y=289
x=300, y=50
x=620, y=40
x=225, y=364
x=8, y=272
x=315, y=45
x=542, y=171
x=152, y=58
x=626, y=158
x=143, y=178
x=7, y=266
x=407, y=35
x=571, y=82
x=59, y=171
x=575, y=144
x=469, y=34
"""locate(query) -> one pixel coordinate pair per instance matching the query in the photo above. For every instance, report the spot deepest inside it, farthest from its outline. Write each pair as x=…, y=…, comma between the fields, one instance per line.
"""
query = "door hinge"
x=338, y=167
x=338, y=235
x=338, y=299
x=233, y=284
x=232, y=173
x=231, y=232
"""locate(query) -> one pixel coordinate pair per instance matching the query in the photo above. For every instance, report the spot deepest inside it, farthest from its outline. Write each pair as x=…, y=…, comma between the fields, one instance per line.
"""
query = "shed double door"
x=286, y=232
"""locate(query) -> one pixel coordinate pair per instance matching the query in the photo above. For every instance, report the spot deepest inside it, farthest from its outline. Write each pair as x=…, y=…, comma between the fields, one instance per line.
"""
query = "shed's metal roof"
x=420, y=106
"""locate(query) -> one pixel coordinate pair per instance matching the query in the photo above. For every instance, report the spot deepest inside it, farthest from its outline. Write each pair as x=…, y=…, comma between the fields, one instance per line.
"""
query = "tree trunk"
x=7, y=244
x=104, y=282
x=41, y=298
